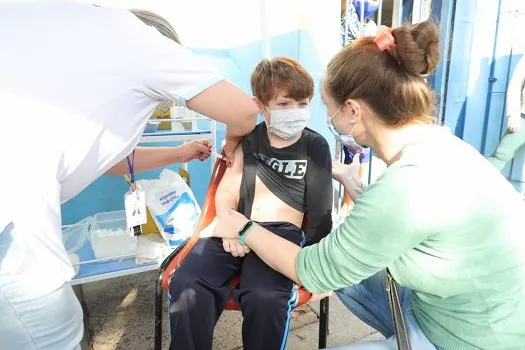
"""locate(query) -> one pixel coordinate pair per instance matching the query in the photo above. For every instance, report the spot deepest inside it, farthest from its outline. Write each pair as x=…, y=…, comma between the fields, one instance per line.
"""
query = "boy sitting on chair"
x=281, y=174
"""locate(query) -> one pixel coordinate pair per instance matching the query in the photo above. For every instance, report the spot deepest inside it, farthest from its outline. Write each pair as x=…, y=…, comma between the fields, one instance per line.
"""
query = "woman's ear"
x=353, y=110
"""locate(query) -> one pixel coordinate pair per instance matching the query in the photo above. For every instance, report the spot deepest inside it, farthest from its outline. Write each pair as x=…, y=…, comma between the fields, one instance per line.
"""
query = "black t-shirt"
x=300, y=175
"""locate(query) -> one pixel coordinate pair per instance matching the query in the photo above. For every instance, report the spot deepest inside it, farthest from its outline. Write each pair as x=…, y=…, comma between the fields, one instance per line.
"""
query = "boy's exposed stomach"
x=267, y=207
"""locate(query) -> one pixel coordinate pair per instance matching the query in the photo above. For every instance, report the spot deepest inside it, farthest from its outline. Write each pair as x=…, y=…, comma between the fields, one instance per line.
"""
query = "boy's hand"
x=234, y=247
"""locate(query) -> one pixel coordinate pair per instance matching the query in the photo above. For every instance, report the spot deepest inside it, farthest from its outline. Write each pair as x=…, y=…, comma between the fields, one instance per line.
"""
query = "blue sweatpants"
x=200, y=289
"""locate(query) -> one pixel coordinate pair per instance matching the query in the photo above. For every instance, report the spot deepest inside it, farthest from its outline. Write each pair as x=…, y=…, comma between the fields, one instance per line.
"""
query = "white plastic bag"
x=172, y=205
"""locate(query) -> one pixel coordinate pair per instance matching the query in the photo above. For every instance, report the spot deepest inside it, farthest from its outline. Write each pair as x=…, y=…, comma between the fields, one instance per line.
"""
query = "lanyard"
x=130, y=166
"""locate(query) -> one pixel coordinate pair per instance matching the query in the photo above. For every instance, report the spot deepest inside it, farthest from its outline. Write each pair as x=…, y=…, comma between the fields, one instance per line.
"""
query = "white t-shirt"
x=78, y=84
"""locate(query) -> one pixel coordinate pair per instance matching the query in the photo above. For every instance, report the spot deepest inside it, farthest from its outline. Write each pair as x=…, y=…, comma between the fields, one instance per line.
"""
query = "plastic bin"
x=110, y=237
x=75, y=235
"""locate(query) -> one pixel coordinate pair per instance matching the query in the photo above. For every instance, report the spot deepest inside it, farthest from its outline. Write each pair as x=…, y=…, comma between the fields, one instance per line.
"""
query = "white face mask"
x=347, y=140
x=288, y=123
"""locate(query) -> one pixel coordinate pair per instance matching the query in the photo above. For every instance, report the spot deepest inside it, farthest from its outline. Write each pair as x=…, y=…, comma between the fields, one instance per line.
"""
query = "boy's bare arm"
x=227, y=196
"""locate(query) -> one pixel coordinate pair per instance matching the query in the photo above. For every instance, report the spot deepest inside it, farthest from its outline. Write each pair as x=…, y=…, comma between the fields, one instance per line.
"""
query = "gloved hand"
x=348, y=175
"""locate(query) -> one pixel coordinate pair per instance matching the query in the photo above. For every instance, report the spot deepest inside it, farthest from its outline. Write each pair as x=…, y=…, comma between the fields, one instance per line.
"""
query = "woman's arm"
x=228, y=104
x=148, y=158
x=392, y=217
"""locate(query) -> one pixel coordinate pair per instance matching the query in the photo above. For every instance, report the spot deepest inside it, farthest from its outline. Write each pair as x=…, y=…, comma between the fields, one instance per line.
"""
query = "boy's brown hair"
x=281, y=73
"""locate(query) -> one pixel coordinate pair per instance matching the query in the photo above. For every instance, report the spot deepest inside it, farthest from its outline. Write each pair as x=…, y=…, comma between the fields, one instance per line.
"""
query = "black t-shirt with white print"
x=300, y=175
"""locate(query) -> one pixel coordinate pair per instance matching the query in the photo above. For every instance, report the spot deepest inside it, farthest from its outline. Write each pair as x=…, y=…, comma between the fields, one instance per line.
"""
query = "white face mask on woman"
x=346, y=139
x=288, y=123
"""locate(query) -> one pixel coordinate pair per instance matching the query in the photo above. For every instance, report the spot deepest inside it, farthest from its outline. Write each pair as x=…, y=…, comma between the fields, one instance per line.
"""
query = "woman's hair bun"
x=417, y=46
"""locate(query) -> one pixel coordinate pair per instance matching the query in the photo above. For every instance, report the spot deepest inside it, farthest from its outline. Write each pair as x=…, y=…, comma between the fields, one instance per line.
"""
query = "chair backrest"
x=208, y=213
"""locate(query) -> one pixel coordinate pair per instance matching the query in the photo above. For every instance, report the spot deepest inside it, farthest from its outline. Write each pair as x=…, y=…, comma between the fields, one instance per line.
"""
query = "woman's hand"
x=195, y=150
x=348, y=176
x=513, y=123
x=343, y=172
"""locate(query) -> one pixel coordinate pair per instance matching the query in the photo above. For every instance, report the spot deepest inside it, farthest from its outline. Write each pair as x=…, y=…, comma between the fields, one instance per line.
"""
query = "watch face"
x=245, y=228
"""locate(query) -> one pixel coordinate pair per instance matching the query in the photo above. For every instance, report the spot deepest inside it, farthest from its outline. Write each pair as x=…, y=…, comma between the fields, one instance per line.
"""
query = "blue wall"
x=484, y=52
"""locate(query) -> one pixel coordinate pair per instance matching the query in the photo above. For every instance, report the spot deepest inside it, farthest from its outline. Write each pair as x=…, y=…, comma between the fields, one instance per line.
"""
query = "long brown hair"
x=390, y=82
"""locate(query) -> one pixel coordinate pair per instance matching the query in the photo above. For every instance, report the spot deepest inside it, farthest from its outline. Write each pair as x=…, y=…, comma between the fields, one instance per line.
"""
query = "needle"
x=217, y=155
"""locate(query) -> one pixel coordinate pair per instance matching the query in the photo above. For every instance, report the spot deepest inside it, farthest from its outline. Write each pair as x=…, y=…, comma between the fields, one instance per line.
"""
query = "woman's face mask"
x=346, y=139
x=288, y=123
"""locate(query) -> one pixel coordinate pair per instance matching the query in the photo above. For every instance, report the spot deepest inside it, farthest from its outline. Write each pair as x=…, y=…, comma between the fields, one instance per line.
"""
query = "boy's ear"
x=259, y=104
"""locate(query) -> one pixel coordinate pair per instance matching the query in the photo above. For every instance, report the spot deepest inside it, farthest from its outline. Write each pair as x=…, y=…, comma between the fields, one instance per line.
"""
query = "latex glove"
x=348, y=176
x=234, y=247
x=514, y=123
x=343, y=172
x=195, y=150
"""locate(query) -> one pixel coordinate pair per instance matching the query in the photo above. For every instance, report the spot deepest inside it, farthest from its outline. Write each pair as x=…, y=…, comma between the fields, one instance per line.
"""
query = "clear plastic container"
x=110, y=237
x=75, y=235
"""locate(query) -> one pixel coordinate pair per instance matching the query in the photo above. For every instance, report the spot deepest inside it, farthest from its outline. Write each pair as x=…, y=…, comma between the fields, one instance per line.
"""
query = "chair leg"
x=323, y=322
x=159, y=293
x=158, y=310
x=327, y=307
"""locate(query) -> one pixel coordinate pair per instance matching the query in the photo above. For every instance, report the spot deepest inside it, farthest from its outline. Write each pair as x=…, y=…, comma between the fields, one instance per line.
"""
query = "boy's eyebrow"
x=288, y=97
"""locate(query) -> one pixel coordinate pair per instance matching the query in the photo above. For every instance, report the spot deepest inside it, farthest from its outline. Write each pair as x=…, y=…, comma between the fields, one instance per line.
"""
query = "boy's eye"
x=282, y=104
x=303, y=104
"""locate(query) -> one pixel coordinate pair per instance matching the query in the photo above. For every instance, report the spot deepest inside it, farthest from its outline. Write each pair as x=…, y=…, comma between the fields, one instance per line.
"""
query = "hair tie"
x=385, y=40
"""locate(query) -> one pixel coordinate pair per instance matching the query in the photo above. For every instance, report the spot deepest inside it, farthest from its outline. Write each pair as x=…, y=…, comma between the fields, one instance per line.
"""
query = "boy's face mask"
x=288, y=123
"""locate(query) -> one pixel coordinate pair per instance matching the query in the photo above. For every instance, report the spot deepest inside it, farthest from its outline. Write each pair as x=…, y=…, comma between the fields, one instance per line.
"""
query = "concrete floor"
x=121, y=315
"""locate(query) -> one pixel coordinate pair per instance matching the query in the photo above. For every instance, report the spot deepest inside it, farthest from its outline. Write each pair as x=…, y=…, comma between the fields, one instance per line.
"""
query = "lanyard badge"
x=134, y=203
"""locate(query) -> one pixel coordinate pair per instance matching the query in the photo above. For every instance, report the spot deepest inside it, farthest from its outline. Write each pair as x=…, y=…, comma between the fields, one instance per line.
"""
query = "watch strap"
x=243, y=232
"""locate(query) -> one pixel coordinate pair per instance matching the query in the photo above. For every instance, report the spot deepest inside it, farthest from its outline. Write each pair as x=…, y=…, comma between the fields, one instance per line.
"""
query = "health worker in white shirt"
x=78, y=84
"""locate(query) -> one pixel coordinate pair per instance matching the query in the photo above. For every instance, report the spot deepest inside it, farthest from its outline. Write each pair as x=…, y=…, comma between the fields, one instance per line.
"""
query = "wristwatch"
x=244, y=231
